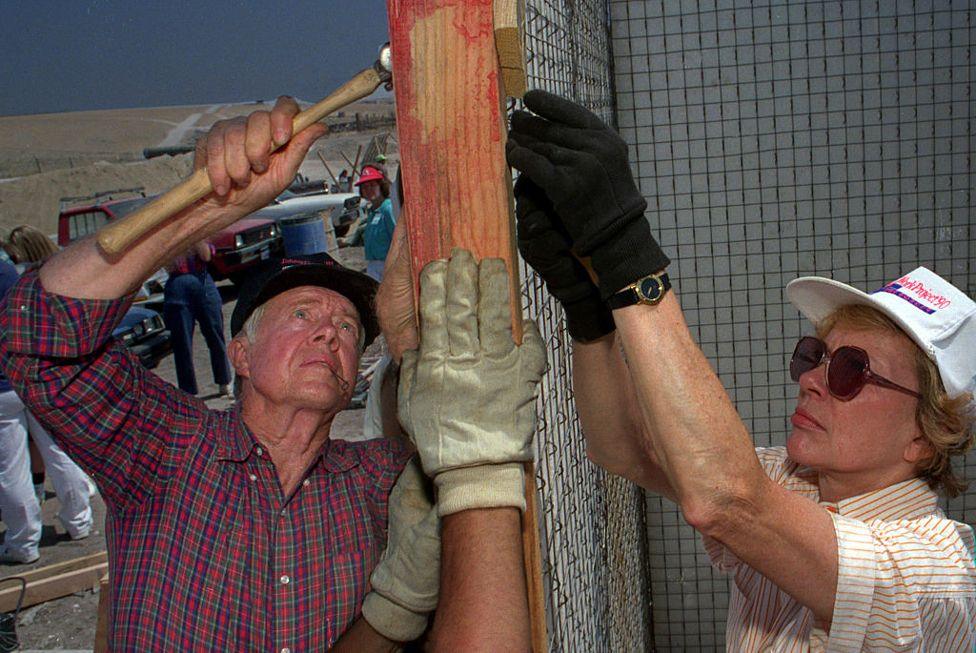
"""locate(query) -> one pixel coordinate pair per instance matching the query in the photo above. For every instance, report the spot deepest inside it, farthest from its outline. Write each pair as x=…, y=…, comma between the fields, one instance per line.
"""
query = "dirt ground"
x=46, y=157
x=68, y=624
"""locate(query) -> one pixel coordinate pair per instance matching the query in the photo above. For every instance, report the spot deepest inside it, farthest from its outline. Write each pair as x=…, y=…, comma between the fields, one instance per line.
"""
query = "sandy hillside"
x=46, y=157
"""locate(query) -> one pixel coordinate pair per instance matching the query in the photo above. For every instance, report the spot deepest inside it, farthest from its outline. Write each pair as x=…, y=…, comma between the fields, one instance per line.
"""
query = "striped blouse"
x=906, y=576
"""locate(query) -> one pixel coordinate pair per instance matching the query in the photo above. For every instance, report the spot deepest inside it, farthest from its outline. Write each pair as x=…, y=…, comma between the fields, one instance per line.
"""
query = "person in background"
x=835, y=541
x=29, y=244
x=12, y=254
x=378, y=234
x=191, y=297
x=21, y=482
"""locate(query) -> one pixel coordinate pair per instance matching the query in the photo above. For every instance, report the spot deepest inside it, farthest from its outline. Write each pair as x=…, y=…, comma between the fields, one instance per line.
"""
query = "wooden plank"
x=451, y=128
x=509, y=15
x=62, y=567
x=104, y=615
x=352, y=172
x=46, y=586
x=329, y=170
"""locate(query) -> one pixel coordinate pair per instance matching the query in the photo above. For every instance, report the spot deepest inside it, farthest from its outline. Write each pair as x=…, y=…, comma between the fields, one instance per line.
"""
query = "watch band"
x=646, y=290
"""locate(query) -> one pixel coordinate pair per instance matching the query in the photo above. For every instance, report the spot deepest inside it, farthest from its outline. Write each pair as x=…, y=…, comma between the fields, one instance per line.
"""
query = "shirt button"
x=259, y=451
x=252, y=477
x=306, y=482
x=285, y=579
x=286, y=650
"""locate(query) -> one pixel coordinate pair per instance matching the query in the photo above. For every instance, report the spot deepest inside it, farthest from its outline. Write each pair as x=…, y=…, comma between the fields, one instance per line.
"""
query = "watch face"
x=650, y=288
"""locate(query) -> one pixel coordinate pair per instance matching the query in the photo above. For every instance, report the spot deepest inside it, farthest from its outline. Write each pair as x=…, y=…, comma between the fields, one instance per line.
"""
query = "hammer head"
x=384, y=66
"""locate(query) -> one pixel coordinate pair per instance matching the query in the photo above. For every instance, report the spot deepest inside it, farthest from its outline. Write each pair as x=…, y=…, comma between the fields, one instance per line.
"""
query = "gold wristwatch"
x=646, y=290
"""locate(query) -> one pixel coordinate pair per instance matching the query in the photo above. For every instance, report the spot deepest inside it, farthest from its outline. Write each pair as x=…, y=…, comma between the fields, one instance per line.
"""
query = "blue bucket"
x=303, y=234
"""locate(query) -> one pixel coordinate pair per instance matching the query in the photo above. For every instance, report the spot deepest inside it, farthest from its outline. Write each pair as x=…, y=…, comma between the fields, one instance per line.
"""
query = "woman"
x=374, y=187
x=28, y=245
x=191, y=297
x=20, y=495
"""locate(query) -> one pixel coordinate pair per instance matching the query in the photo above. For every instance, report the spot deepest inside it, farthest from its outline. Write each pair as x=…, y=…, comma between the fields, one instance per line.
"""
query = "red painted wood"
x=457, y=186
x=451, y=129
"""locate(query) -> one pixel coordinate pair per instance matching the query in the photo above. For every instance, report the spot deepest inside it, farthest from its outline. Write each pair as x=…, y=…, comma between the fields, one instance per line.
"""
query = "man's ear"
x=237, y=353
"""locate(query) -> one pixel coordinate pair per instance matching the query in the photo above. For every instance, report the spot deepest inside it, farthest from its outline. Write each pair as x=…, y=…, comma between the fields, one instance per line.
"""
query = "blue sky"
x=74, y=55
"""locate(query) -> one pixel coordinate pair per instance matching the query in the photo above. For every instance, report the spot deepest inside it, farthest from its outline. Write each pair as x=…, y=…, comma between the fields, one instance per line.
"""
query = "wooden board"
x=55, y=581
x=104, y=615
x=509, y=15
x=451, y=128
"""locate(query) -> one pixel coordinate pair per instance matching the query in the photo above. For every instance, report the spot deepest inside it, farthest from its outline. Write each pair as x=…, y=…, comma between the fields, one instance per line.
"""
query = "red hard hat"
x=370, y=174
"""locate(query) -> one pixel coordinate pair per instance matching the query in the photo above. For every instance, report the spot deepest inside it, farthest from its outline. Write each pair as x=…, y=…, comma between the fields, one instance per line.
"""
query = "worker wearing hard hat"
x=374, y=187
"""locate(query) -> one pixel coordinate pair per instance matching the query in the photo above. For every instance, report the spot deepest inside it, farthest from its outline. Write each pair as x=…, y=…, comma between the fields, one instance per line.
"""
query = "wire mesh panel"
x=775, y=140
x=592, y=525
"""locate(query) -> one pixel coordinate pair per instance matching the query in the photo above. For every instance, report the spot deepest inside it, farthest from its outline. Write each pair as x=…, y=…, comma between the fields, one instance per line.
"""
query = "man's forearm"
x=362, y=638
x=83, y=270
x=482, y=603
x=244, y=175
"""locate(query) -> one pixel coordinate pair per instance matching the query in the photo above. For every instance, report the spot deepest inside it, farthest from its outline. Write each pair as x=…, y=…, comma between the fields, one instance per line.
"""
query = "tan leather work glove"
x=405, y=582
x=467, y=396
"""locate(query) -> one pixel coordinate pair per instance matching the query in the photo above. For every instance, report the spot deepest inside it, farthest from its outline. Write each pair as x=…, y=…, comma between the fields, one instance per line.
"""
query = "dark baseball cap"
x=277, y=275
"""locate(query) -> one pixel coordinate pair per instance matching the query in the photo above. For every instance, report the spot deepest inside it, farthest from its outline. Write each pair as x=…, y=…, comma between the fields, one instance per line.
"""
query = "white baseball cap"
x=939, y=317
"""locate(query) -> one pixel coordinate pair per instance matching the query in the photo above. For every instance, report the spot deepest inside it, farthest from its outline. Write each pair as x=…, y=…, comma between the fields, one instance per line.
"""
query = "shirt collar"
x=339, y=456
x=238, y=443
x=906, y=500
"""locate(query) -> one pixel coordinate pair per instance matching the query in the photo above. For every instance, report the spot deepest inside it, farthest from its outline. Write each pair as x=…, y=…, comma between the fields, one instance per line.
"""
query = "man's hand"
x=395, y=309
x=245, y=177
x=244, y=173
x=581, y=164
x=545, y=245
x=467, y=396
x=405, y=582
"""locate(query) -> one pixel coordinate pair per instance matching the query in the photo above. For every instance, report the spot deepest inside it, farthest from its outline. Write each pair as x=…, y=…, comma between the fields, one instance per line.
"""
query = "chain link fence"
x=592, y=525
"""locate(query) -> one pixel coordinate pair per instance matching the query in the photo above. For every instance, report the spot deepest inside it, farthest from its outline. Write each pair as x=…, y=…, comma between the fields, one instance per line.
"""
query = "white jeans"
x=18, y=504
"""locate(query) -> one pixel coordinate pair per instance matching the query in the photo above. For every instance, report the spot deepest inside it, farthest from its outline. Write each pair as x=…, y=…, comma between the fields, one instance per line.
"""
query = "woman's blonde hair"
x=30, y=245
x=945, y=423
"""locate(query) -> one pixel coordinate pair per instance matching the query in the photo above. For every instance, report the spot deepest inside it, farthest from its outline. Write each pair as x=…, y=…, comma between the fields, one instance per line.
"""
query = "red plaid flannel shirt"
x=205, y=551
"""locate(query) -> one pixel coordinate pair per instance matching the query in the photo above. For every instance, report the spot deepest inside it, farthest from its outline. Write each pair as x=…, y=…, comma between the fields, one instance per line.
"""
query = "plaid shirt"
x=205, y=551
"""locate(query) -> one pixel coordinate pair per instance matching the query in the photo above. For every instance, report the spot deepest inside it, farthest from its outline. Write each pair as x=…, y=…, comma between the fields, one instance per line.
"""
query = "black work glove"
x=545, y=245
x=581, y=164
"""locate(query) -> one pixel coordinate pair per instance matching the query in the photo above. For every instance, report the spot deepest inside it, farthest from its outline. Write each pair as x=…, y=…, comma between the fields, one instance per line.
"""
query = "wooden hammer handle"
x=119, y=236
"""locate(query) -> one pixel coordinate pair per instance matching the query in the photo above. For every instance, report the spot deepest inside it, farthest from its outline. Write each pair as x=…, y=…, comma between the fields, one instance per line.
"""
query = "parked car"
x=143, y=332
x=237, y=247
x=242, y=244
x=82, y=215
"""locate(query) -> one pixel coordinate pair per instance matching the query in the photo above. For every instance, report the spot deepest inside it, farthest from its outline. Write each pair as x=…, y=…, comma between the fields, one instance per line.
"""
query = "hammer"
x=119, y=236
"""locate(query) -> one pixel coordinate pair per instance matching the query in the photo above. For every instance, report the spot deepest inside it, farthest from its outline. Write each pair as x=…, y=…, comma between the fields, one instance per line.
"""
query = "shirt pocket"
x=226, y=577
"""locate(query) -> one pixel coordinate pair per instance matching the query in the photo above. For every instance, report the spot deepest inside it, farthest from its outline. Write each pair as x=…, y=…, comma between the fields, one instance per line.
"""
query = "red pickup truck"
x=238, y=246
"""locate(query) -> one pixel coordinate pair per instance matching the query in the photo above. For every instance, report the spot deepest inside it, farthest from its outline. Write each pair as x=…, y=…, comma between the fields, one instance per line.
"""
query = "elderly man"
x=241, y=529
x=835, y=542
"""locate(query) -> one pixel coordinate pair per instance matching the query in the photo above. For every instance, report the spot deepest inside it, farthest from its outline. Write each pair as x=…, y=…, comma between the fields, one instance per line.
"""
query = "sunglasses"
x=848, y=368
